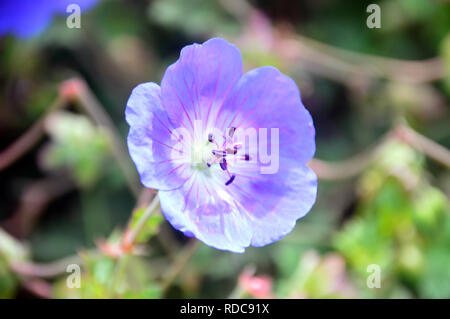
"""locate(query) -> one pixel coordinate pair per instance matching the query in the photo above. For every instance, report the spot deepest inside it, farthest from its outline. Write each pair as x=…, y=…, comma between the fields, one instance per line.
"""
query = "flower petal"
x=272, y=202
x=296, y=189
x=194, y=87
x=152, y=143
x=205, y=211
x=25, y=18
x=266, y=98
x=22, y=18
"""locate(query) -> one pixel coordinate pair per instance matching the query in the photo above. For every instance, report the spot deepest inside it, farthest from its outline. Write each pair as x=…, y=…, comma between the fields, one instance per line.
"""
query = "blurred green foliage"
x=193, y=17
x=445, y=53
x=10, y=251
x=399, y=217
x=104, y=277
x=76, y=145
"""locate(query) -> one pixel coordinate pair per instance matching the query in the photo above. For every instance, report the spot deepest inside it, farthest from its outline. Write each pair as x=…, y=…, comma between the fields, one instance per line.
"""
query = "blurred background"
x=380, y=103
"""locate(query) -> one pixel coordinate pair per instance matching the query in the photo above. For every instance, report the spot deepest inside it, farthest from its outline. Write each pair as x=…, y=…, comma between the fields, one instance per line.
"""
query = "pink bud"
x=258, y=286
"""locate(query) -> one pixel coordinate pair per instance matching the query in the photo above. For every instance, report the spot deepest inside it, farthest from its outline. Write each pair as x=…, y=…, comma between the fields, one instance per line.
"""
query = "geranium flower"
x=186, y=139
x=27, y=18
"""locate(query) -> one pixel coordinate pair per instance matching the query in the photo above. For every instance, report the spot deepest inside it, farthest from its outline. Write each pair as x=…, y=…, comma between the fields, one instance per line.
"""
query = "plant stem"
x=350, y=167
x=89, y=103
x=119, y=271
x=132, y=234
x=28, y=139
x=424, y=145
x=49, y=270
x=355, y=165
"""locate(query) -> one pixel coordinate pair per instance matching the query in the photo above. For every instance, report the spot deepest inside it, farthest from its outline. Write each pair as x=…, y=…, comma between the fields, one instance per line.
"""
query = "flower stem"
x=119, y=273
x=131, y=234
x=92, y=107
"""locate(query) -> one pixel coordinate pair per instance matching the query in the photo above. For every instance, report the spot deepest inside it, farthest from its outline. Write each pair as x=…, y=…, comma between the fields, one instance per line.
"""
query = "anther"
x=230, y=180
x=210, y=138
x=223, y=164
x=246, y=157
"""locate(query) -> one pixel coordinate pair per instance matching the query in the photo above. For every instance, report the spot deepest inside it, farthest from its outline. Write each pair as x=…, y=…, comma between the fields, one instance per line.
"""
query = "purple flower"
x=186, y=139
x=27, y=18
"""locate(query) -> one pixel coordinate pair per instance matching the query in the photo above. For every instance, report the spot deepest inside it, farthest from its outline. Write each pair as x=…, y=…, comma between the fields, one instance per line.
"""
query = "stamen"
x=223, y=164
x=230, y=180
x=219, y=153
x=231, y=131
